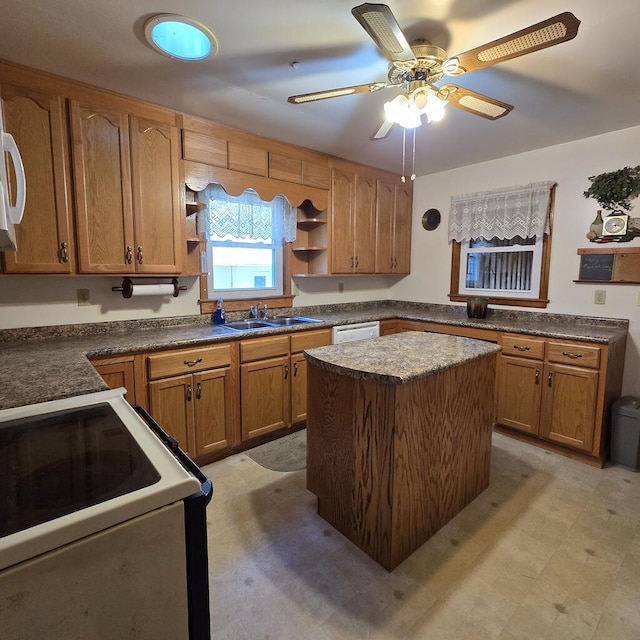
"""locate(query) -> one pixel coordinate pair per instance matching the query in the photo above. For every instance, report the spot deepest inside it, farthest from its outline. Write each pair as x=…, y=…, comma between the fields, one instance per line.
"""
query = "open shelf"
x=308, y=255
x=609, y=265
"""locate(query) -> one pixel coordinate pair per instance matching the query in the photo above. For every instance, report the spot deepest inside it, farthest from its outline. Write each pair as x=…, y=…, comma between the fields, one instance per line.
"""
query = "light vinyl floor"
x=551, y=550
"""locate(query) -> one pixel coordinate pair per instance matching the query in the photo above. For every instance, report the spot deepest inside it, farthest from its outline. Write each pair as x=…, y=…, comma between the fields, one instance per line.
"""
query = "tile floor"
x=551, y=550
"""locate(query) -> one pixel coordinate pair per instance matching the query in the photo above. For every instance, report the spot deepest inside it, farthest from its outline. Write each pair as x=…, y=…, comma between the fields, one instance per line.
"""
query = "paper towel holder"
x=127, y=287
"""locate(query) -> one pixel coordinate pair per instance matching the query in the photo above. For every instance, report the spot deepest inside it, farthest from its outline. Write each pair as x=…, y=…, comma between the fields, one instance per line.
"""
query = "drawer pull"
x=519, y=347
x=192, y=363
x=570, y=354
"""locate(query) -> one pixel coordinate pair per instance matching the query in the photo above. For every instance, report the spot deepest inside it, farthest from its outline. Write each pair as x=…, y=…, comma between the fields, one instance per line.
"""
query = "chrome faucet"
x=262, y=313
x=253, y=311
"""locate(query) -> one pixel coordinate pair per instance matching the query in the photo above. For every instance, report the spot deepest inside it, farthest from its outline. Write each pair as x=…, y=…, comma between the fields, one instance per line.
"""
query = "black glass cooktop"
x=58, y=463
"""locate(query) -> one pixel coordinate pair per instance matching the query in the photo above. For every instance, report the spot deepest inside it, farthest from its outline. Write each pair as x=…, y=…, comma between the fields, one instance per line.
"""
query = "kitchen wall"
x=27, y=301
x=569, y=165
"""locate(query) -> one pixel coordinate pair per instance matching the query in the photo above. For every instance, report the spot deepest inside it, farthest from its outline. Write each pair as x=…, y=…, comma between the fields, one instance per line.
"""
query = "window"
x=500, y=267
x=244, y=243
x=501, y=245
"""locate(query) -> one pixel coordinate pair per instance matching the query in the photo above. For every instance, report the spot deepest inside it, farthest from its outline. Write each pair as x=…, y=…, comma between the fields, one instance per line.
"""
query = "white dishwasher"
x=357, y=331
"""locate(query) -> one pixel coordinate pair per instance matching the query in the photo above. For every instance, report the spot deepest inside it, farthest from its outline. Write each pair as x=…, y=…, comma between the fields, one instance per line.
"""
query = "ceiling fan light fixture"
x=402, y=111
x=180, y=37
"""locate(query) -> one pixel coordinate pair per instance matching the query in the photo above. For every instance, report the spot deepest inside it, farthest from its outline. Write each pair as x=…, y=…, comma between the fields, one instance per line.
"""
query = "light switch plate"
x=599, y=296
x=83, y=297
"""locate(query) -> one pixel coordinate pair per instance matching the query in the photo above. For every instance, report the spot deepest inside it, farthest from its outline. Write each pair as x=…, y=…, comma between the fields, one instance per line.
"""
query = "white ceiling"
x=587, y=86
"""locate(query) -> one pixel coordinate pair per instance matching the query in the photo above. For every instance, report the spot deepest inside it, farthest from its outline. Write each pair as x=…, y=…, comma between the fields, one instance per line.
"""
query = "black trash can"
x=625, y=432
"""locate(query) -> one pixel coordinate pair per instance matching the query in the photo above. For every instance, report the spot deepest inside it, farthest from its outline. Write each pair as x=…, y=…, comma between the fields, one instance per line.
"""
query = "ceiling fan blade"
x=473, y=102
x=336, y=93
x=382, y=131
x=538, y=36
x=378, y=21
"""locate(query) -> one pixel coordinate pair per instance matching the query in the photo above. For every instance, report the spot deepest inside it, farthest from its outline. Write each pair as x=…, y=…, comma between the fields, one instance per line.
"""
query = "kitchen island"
x=399, y=436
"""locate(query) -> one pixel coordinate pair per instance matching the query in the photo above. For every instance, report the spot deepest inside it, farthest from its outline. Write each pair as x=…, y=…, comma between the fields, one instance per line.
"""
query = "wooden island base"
x=393, y=463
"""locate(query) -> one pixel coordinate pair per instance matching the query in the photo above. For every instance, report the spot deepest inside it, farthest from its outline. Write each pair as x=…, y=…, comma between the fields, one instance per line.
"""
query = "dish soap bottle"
x=218, y=317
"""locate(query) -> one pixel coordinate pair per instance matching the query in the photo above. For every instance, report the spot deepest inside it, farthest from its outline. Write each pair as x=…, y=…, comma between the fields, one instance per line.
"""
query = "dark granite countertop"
x=45, y=363
x=401, y=357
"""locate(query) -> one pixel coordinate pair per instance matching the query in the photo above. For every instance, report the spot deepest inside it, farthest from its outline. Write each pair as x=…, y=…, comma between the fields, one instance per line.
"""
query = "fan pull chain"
x=404, y=137
x=413, y=161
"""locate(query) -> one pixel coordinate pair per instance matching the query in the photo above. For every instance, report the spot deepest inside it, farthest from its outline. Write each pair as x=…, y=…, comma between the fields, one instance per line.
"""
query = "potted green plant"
x=615, y=189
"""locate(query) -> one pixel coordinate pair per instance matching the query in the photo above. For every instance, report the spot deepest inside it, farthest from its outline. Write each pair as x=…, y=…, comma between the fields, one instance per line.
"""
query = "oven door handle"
x=172, y=444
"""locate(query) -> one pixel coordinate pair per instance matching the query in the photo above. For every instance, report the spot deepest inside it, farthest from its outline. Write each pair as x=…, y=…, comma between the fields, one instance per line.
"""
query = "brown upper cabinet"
x=393, y=227
x=37, y=118
x=353, y=201
x=127, y=191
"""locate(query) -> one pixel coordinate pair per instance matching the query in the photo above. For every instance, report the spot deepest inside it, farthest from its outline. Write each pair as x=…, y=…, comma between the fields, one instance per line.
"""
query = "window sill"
x=243, y=304
x=515, y=302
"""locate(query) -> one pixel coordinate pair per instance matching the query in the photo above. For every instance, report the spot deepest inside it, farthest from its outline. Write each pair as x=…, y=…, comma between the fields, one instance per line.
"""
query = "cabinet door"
x=568, y=405
x=213, y=410
x=171, y=404
x=384, y=227
x=37, y=121
x=298, y=388
x=155, y=154
x=102, y=177
x=119, y=374
x=518, y=392
x=265, y=396
x=364, y=224
x=402, y=229
x=342, y=228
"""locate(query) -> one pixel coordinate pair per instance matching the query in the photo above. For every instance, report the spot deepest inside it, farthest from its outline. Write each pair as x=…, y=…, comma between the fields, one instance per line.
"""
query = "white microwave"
x=10, y=214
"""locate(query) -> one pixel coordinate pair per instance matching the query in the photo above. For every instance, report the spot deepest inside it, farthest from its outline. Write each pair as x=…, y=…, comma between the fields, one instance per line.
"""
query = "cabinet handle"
x=351, y=263
x=191, y=363
x=64, y=252
x=295, y=369
x=129, y=254
x=395, y=262
x=519, y=347
x=188, y=393
x=570, y=354
x=198, y=391
x=139, y=255
x=286, y=371
x=550, y=379
x=356, y=261
x=537, y=376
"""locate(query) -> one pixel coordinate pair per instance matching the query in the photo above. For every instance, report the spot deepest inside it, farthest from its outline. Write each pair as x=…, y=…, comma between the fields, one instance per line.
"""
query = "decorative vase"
x=596, y=225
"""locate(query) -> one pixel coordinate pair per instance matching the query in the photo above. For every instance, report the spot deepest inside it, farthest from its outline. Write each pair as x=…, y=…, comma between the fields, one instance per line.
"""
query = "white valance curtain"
x=247, y=216
x=503, y=213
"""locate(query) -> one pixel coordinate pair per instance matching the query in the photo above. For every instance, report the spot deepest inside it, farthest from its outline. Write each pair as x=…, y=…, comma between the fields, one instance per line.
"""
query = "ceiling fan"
x=416, y=67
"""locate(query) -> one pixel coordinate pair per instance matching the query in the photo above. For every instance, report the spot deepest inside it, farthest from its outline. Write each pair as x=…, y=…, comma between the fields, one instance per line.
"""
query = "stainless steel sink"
x=287, y=322
x=244, y=325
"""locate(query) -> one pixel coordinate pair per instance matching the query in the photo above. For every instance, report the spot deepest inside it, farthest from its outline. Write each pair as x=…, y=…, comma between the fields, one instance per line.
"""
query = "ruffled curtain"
x=503, y=213
x=246, y=216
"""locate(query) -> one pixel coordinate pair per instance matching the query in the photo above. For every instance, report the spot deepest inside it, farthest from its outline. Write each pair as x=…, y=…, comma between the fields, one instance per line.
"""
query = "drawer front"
x=163, y=365
x=575, y=354
x=310, y=339
x=523, y=346
x=264, y=348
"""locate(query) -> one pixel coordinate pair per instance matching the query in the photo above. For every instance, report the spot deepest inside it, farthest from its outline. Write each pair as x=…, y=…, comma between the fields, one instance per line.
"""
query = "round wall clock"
x=615, y=225
x=431, y=219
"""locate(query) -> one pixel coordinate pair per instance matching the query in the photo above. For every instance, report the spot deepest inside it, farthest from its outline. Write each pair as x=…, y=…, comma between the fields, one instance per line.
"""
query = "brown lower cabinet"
x=198, y=408
x=553, y=393
x=273, y=381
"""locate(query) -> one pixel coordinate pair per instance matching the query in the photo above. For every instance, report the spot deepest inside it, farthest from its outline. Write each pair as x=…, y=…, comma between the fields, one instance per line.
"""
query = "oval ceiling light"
x=180, y=37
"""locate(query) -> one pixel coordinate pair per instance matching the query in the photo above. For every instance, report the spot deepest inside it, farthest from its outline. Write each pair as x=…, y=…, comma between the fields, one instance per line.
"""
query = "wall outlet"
x=83, y=297
x=599, y=296
x=340, y=287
